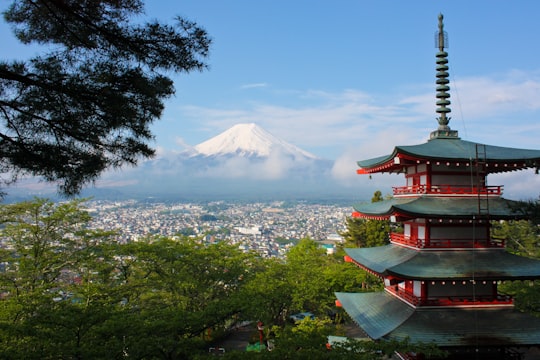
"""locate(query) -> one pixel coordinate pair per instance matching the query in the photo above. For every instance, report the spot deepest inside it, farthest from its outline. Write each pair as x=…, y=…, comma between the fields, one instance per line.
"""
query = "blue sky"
x=348, y=80
x=341, y=76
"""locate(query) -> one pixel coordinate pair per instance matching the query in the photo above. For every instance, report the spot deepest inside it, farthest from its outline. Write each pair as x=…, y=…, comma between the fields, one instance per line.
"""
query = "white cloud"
x=336, y=120
x=182, y=143
x=518, y=185
x=352, y=125
x=331, y=122
x=276, y=166
x=254, y=85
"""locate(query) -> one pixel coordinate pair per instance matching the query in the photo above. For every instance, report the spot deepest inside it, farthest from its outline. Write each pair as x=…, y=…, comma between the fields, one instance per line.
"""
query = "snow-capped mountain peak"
x=249, y=140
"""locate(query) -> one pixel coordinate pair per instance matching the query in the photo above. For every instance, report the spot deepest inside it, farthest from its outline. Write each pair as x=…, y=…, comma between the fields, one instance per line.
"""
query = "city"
x=267, y=228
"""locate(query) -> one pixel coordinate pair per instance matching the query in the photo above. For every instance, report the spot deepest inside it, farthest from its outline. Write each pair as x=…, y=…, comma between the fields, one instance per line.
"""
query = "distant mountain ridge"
x=248, y=140
x=243, y=162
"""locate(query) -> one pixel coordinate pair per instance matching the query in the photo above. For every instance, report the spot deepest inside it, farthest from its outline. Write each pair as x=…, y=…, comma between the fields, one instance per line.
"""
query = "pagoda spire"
x=443, y=131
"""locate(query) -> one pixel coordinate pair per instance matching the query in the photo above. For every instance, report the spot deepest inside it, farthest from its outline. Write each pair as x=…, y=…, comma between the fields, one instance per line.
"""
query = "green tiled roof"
x=383, y=316
x=426, y=206
x=457, y=150
x=376, y=313
x=482, y=264
x=381, y=258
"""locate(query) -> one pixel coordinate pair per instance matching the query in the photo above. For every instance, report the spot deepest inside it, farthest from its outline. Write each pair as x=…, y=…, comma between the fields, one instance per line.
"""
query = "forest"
x=70, y=292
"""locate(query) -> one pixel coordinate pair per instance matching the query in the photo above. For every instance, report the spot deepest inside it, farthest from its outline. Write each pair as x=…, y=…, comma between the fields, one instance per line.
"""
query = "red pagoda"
x=441, y=274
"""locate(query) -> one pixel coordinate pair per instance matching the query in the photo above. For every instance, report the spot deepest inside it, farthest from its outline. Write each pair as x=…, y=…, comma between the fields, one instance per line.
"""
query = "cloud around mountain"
x=244, y=160
x=246, y=163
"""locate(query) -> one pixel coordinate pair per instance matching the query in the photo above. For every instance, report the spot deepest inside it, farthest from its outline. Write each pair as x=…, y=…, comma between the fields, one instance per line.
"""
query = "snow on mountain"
x=249, y=140
x=244, y=162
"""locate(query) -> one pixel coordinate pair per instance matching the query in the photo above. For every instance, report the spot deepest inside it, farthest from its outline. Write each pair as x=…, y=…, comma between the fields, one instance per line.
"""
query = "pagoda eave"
x=453, y=152
x=490, y=167
x=366, y=269
x=383, y=316
x=449, y=279
x=438, y=265
x=356, y=214
x=438, y=208
x=384, y=168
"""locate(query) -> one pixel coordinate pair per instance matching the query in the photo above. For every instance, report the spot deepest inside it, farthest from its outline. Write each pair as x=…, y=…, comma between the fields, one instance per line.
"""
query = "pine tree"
x=85, y=104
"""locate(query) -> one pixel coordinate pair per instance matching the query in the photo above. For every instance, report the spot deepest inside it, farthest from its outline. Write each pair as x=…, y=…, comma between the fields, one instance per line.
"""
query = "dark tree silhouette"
x=85, y=104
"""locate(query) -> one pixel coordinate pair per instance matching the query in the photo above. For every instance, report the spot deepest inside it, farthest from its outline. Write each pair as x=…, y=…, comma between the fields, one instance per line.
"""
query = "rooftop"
x=484, y=264
x=383, y=316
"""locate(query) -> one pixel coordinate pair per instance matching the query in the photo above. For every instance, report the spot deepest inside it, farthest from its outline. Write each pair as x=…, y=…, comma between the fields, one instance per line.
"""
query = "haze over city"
x=350, y=80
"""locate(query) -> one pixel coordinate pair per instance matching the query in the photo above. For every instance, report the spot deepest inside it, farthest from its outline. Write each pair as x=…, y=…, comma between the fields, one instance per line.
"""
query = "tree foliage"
x=69, y=292
x=522, y=238
x=366, y=233
x=377, y=196
x=51, y=303
x=305, y=281
x=270, y=293
x=85, y=104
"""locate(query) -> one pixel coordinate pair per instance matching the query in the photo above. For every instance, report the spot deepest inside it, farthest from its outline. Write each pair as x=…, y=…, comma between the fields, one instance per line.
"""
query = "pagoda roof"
x=480, y=264
x=437, y=207
x=383, y=316
x=497, y=158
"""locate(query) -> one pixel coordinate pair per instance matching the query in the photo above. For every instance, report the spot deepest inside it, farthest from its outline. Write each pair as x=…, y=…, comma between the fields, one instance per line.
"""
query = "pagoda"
x=441, y=273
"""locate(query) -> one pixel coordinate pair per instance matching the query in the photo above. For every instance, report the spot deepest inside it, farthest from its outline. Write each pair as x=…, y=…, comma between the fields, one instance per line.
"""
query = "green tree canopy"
x=71, y=292
x=377, y=196
x=52, y=300
x=85, y=104
x=522, y=238
x=367, y=233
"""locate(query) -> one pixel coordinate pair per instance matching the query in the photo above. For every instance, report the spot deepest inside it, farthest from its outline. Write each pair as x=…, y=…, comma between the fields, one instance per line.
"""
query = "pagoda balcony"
x=447, y=190
x=497, y=300
x=402, y=239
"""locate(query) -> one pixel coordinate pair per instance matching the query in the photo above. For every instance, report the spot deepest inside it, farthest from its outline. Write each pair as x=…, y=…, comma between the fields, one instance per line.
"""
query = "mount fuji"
x=249, y=140
x=244, y=162
x=248, y=152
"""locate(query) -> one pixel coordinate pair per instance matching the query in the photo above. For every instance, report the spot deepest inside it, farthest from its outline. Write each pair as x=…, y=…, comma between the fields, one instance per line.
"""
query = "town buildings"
x=268, y=228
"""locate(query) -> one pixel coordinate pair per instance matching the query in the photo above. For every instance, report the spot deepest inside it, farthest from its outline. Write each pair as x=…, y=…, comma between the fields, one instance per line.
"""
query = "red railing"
x=445, y=243
x=450, y=300
x=448, y=189
x=406, y=240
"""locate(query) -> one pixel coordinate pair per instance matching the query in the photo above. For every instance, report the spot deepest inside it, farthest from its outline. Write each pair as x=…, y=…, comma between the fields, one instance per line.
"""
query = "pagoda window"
x=417, y=169
x=457, y=290
x=452, y=180
x=411, y=170
x=446, y=236
x=407, y=230
x=456, y=179
x=446, y=168
x=421, y=235
x=416, y=179
x=417, y=288
x=414, y=234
